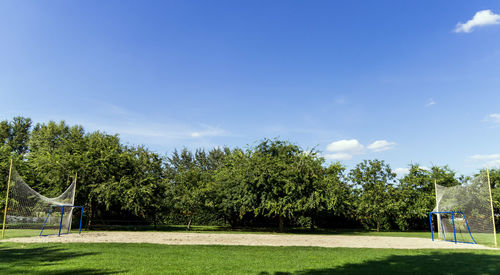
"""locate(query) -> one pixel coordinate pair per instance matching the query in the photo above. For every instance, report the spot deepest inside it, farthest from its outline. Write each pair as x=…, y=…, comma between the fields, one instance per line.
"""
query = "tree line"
x=274, y=183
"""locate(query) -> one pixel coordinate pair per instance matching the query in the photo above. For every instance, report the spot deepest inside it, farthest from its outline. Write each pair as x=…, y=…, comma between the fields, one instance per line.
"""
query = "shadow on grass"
x=434, y=263
x=28, y=260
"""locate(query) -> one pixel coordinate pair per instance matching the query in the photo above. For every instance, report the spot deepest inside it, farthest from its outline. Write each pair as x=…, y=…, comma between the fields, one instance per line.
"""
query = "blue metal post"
x=432, y=230
x=81, y=218
x=468, y=229
x=46, y=219
x=453, y=223
x=60, y=223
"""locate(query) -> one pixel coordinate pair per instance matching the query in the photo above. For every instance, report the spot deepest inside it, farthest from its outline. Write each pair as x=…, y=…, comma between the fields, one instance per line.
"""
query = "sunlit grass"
x=81, y=258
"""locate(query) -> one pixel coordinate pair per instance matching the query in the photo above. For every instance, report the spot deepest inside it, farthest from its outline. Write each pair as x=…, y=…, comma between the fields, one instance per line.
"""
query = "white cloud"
x=345, y=145
x=381, y=145
x=481, y=18
x=430, y=103
x=345, y=149
x=495, y=118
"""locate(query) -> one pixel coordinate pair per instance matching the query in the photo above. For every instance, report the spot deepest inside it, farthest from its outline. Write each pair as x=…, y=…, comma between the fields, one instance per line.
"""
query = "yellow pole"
x=491, y=202
x=436, y=194
x=6, y=200
x=437, y=208
x=74, y=192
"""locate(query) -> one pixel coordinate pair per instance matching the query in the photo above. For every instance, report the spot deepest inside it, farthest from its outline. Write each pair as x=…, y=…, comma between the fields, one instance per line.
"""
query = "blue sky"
x=407, y=82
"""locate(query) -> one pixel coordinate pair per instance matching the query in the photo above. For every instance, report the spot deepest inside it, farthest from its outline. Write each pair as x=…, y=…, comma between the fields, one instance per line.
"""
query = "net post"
x=6, y=200
x=60, y=223
x=46, y=219
x=491, y=204
x=468, y=229
x=81, y=219
x=453, y=224
x=432, y=231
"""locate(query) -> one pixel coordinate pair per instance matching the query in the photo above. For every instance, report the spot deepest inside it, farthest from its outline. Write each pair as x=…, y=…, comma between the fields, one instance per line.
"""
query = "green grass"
x=110, y=258
x=16, y=233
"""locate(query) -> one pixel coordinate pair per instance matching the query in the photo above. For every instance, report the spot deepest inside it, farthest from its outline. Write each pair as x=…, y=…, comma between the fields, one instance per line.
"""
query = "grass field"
x=156, y=259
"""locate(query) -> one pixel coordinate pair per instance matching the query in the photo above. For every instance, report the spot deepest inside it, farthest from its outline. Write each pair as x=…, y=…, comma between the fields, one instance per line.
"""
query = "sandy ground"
x=248, y=239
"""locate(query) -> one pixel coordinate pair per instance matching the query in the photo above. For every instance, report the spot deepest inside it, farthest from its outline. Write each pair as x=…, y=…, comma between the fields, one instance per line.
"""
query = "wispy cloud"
x=381, y=145
x=480, y=19
x=430, y=102
x=495, y=118
x=479, y=160
x=160, y=132
x=345, y=149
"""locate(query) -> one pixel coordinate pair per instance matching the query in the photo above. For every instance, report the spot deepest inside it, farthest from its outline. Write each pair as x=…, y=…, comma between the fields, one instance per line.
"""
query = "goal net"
x=463, y=212
x=27, y=209
x=54, y=223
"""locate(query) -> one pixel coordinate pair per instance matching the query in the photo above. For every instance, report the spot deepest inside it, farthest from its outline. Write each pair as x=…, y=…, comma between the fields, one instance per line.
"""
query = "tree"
x=187, y=188
x=55, y=156
x=444, y=176
x=19, y=134
x=375, y=180
x=229, y=189
x=284, y=179
x=415, y=197
x=141, y=189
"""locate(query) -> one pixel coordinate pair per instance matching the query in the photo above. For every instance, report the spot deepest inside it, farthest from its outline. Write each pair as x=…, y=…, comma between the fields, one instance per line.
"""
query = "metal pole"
x=81, y=218
x=438, y=218
x=60, y=223
x=46, y=219
x=432, y=230
x=468, y=229
x=453, y=223
x=491, y=203
x=6, y=200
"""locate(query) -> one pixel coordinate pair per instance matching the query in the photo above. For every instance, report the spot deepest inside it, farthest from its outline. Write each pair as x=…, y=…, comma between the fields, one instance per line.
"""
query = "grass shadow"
x=434, y=263
x=21, y=260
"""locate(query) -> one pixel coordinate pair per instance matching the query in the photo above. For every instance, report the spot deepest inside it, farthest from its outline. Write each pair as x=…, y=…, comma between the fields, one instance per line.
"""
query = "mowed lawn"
x=16, y=258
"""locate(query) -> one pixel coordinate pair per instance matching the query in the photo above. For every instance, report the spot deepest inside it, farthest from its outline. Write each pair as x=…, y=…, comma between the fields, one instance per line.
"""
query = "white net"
x=27, y=209
x=471, y=215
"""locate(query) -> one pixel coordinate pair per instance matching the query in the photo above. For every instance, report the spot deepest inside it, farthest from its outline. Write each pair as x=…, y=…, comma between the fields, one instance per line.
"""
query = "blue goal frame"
x=60, y=222
x=453, y=224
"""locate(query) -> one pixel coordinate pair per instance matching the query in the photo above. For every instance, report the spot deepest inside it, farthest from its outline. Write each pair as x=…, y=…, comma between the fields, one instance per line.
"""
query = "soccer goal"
x=452, y=227
x=26, y=211
x=58, y=221
x=464, y=213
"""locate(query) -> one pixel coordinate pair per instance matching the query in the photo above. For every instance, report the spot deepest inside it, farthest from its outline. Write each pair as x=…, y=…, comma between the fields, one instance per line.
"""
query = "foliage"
x=274, y=182
x=376, y=202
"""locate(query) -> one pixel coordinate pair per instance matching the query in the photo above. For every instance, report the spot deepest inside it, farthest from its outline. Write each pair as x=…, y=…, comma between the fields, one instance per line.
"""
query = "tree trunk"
x=378, y=226
x=282, y=223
